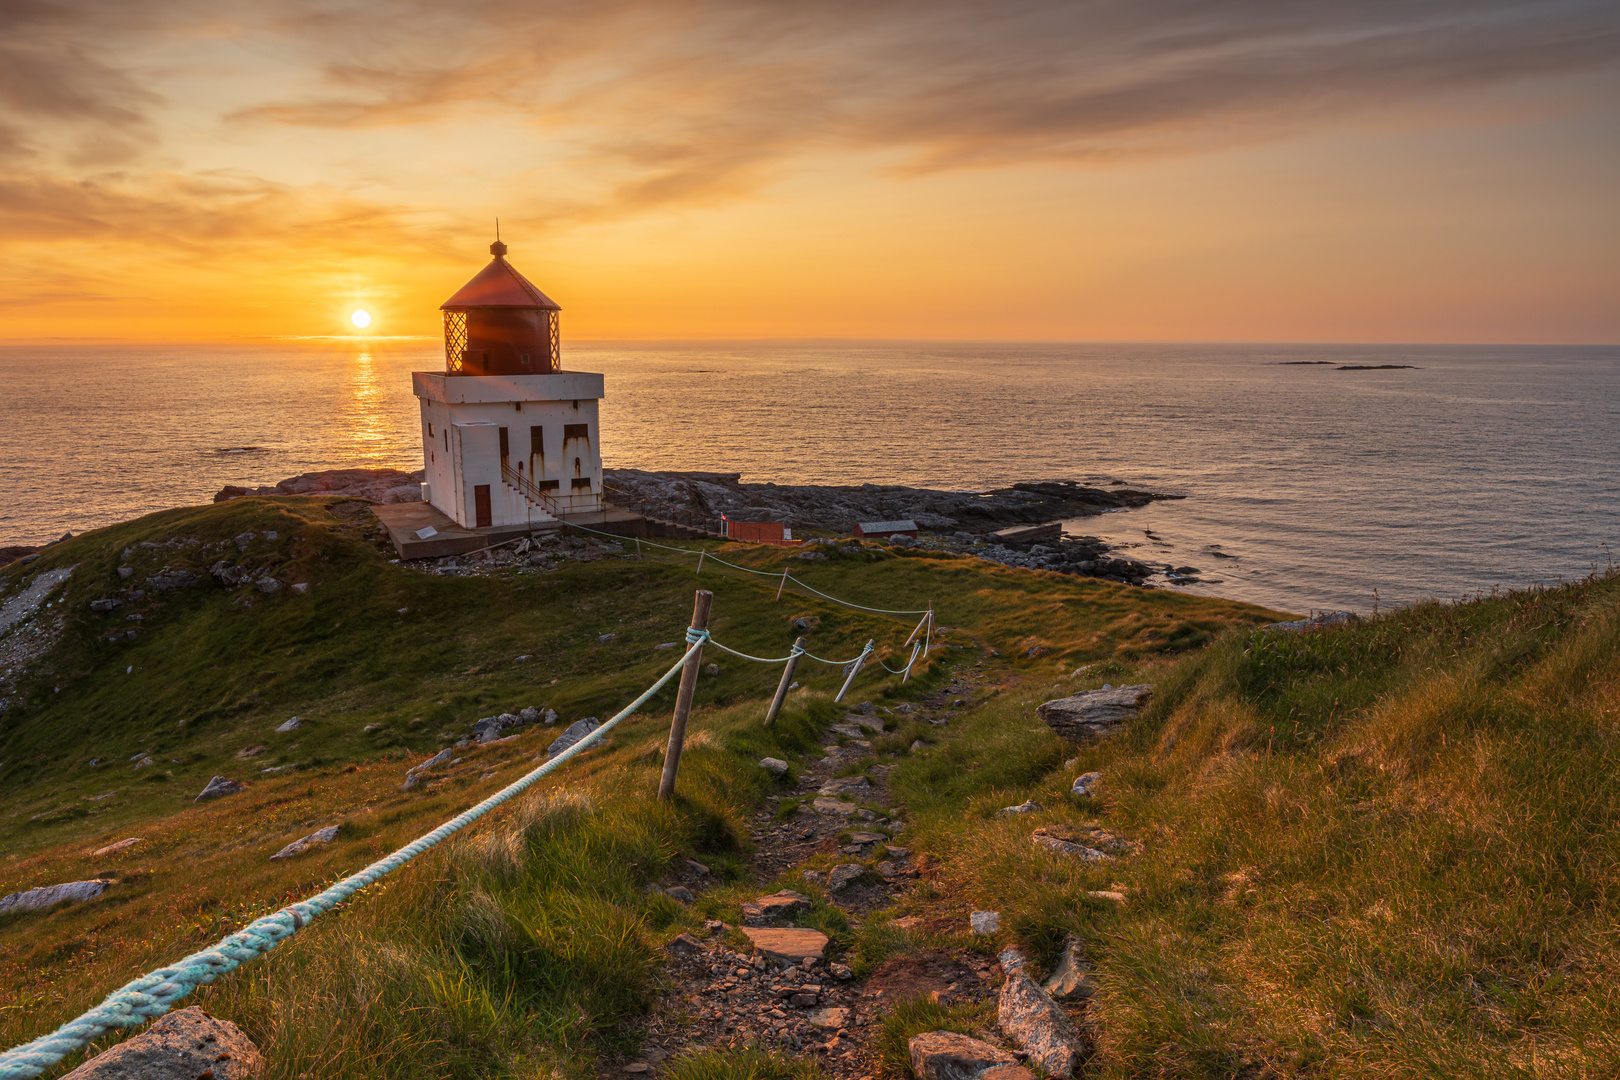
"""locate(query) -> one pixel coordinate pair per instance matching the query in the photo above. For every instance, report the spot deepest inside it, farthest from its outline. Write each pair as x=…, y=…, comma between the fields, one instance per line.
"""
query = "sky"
x=1161, y=170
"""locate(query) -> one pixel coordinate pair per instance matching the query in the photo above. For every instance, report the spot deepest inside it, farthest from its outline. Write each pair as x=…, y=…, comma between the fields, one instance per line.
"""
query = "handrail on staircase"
x=531, y=491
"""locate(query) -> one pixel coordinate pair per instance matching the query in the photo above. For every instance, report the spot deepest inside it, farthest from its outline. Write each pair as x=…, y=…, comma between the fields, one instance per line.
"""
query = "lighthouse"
x=509, y=439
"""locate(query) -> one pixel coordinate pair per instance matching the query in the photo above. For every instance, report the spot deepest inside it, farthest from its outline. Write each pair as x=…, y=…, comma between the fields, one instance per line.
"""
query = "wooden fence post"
x=915, y=649
x=782, y=586
x=683, y=698
x=701, y=552
x=854, y=670
x=782, y=687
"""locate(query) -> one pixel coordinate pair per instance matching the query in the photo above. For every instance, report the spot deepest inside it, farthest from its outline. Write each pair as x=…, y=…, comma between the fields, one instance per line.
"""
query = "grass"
x=522, y=945
x=1383, y=849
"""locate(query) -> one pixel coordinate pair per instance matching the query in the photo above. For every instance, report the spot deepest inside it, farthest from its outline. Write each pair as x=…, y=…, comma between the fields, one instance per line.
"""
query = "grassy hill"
x=1383, y=848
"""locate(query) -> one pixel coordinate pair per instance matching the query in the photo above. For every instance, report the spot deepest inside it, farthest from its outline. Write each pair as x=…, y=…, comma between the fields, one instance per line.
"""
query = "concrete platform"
x=404, y=520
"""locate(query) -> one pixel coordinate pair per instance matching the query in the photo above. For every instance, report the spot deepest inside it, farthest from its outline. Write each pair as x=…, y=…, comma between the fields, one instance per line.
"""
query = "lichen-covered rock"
x=573, y=734
x=318, y=838
x=945, y=1055
x=48, y=896
x=1089, y=715
x=184, y=1044
x=1038, y=1024
x=1059, y=846
x=1086, y=784
x=1071, y=979
x=220, y=786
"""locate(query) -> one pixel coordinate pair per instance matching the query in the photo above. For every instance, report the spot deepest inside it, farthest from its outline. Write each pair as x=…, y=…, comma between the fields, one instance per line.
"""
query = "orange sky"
x=1249, y=170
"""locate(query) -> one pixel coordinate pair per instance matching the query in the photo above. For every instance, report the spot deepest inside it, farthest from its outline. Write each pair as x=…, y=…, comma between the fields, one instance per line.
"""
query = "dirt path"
x=726, y=997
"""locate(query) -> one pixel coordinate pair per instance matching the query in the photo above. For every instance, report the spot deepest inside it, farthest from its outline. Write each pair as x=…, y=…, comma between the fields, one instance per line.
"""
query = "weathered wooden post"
x=915, y=649
x=701, y=552
x=787, y=678
x=683, y=698
x=854, y=670
x=917, y=630
x=782, y=585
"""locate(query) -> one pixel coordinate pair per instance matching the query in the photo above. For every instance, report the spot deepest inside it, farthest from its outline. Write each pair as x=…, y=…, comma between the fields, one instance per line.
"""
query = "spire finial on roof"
x=497, y=249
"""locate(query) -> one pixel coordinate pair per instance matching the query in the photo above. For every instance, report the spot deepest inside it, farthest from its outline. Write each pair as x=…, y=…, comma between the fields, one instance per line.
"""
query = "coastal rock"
x=1319, y=621
x=573, y=734
x=185, y=1043
x=374, y=485
x=220, y=786
x=1038, y=1024
x=945, y=1055
x=318, y=838
x=1088, y=715
x=48, y=896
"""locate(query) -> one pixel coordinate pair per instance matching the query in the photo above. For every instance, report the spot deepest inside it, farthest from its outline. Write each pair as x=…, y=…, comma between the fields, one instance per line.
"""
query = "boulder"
x=219, y=786
x=1086, y=784
x=843, y=875
x=574, y=733
x=186, y=1043
x=945, y=1055
x=788, y=943
x=1038, y=1024
x=1059, y=846
x=318, y=838
x=763, y=910
x=1093, y=713
x=48, y=896
x=1071, y=979
x=774, y=766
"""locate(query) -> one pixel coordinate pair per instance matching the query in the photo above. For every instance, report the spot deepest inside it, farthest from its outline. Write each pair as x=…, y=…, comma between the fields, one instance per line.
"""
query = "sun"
x=361, y=319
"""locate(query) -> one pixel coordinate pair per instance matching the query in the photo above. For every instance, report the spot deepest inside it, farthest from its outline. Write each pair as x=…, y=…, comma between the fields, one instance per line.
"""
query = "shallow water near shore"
x=1480, y=467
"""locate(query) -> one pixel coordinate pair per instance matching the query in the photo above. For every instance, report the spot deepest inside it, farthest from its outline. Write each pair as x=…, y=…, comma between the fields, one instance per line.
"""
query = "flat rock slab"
x=574, y=733
x=870, y=723
x=829, y=1019
x=47, y=896
x=848, y=731
x=945, y=1055
x=833, y=807
x=843, y=875
x=183, y=1044
x=1038, y=1024
x=787, y=943
x=765, y=909
x=1094, y=713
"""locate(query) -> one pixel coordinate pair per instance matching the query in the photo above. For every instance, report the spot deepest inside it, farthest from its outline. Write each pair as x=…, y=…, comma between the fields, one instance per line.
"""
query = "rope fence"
x=156, y=992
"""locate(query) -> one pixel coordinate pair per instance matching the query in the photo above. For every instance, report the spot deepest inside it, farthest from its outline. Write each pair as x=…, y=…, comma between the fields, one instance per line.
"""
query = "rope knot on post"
x=694, y=636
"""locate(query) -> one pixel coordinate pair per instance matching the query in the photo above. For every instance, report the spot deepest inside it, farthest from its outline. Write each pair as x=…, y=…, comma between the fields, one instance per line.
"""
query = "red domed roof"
x=498, y=285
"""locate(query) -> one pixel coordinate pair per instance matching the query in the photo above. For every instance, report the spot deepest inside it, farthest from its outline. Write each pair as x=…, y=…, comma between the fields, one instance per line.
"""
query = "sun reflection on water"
x=367, y=433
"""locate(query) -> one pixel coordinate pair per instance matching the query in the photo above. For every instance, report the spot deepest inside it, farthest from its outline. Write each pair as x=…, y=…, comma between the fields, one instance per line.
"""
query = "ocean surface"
x=1475, y=469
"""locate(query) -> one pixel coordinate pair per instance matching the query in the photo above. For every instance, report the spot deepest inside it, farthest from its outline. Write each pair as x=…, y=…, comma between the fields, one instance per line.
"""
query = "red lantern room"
x=500, y=324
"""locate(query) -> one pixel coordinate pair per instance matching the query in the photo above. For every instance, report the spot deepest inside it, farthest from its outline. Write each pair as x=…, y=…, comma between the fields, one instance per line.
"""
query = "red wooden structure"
x=757, y=532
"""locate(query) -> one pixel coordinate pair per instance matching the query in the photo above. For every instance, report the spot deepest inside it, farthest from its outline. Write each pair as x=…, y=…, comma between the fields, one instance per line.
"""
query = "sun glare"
x=361, y=319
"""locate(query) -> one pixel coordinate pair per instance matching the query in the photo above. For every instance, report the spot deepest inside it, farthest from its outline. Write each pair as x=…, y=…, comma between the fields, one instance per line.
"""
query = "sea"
x=1315, y=477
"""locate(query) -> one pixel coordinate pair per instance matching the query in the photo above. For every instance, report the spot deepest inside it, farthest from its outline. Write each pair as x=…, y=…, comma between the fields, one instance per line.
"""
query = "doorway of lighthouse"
x=481, y=506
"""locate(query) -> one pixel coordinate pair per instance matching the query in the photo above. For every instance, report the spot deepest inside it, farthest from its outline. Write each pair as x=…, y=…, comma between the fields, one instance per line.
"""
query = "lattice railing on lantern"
x=553, y=321
x=455, y=340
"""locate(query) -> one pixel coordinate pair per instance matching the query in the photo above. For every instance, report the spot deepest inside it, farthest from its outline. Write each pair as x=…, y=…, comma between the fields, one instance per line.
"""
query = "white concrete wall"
x=461, y=421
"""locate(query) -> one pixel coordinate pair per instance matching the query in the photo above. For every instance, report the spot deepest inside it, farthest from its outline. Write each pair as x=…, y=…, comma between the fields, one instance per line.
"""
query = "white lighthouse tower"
x=509, y=439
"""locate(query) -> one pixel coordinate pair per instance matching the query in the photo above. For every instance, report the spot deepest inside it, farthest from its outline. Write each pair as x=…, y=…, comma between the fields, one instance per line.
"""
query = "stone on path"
x=870, y=723
x=782, y=905
x=186, y=1043
x=788, y=943
x=685, y=945
x=574, y=733
x=829, y=1019
x=1038, y=1024
x=1059, y=846
x=46, y=896
x=843, y=875
x=848, y=731
x=1070, y=980
x=774, y=766
x=1086, y=784
x=833, y=807
x=945, y=1055
x=846, y=785
x=318, y=838
x=985, y=923
x=219, y=786
x=1089, y=715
